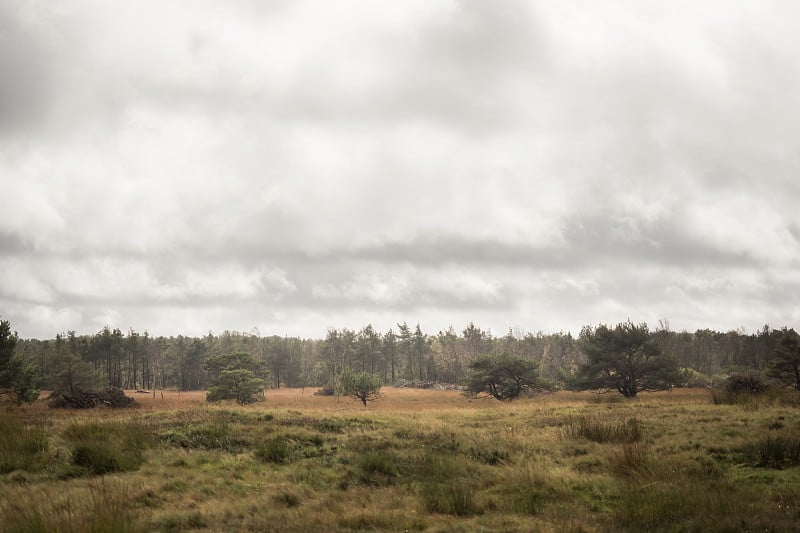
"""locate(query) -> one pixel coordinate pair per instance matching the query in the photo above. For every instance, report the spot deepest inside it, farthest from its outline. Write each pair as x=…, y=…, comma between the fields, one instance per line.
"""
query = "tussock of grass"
x=527, y=490
x=22, y=447
x=446, y=488
x=100, y=458
x=632, y=460
x=773, y=451
x=598, y=430
x=272, y=451
x=103, y=448
x=290, y=446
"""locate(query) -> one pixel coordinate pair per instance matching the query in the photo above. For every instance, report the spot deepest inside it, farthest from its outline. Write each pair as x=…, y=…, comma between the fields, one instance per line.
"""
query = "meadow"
x=415, y=460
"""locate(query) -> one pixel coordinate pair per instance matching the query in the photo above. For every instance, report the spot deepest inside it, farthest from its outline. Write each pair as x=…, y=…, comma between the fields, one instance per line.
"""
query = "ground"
x=415, y=460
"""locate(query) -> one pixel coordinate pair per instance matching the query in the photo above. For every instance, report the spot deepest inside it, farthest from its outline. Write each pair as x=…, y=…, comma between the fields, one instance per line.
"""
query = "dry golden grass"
x=418, y=460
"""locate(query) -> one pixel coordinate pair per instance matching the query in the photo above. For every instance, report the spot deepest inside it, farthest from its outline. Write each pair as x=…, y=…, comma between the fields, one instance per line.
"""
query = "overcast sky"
x=186, y=166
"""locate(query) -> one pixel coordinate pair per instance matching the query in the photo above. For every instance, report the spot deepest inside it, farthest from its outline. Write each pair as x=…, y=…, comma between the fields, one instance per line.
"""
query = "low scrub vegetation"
x=417, y=460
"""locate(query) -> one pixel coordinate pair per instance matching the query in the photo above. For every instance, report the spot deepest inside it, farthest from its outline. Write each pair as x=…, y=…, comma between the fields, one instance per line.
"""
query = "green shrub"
x=745, y=383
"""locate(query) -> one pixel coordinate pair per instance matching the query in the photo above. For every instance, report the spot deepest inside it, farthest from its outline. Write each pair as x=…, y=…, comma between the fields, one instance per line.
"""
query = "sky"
x=286, y=166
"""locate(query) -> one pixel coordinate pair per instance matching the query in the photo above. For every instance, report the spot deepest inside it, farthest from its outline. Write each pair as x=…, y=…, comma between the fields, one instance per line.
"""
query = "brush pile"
x=88, y=399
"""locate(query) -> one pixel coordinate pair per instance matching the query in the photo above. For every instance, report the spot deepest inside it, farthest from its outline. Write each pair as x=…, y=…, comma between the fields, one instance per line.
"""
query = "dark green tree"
x=235, y=376
x=364, y=386
x=504, y=376
x=625, y=359
x=786, y=361
x=17, y=377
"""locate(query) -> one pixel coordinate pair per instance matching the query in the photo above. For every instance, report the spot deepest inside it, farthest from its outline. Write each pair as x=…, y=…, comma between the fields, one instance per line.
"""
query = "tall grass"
x=598, y=430
x=103, y=448
x=21, y=447
x=446, y=488
x=101, y=508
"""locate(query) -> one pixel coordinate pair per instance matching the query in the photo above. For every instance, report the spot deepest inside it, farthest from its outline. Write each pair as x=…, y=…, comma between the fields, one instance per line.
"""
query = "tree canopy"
x=364, y=386
x=17, y=377
x=786, y=364
x=234, y=376
x=625, y=359
x=503, y=376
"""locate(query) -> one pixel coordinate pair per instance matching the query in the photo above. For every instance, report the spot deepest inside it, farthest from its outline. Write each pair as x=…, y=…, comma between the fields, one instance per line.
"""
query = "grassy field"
x=416, y=460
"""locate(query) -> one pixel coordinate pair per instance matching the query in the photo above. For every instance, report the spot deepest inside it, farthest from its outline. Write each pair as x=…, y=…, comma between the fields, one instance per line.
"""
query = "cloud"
x=296, y=165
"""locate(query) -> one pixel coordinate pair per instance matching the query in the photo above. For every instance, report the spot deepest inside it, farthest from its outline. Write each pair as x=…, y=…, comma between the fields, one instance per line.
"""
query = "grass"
x=600, y=430
x=419, y=460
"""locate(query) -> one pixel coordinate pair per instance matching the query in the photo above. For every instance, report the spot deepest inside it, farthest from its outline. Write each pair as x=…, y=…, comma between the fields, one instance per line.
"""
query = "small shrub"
x=600, y=431
x=745, y=383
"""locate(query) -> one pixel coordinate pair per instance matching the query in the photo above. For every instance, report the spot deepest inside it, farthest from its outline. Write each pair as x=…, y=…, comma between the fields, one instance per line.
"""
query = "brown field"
x=415, y=460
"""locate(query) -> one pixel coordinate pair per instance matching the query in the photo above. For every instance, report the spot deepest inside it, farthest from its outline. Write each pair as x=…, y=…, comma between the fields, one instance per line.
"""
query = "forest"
x=137, y=360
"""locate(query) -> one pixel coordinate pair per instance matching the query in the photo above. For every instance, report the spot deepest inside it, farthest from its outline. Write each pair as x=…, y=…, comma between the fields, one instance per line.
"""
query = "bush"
x=745, y=383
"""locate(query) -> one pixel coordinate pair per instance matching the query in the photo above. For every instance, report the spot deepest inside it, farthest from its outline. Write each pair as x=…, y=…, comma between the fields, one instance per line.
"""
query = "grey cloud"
x=542, y=165
x=26, y=85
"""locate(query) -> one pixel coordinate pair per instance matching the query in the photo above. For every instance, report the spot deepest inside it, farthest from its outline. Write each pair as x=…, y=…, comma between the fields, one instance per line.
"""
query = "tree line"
x=137, y=360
